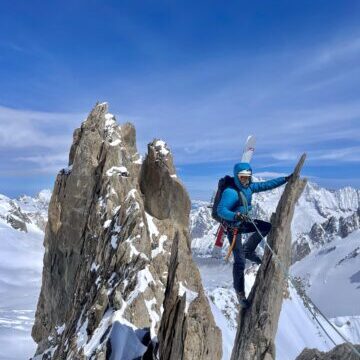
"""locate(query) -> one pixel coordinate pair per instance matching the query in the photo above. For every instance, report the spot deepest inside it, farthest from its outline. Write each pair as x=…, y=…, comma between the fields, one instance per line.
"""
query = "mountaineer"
x=233, y=209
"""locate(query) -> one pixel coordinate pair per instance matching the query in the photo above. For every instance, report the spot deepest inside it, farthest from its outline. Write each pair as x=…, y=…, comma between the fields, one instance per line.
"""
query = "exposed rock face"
x=16, y=218
x=340, y=352
x=300, y=249
x=331, y=226
x=349, y=224
x=321, y=234
x=317, y=234
x=201, y=222
x=111, y=225
x=257, y=325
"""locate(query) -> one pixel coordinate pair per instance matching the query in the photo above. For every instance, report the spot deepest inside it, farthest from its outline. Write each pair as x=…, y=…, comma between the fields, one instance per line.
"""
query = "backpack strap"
x=243, y=200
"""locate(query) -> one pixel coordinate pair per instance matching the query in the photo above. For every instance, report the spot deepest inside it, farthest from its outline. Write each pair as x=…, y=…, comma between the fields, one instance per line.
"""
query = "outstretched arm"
x=268, y=185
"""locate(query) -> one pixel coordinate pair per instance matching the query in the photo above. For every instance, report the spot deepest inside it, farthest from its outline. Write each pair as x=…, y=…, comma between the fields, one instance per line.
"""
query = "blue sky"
x=200, y=75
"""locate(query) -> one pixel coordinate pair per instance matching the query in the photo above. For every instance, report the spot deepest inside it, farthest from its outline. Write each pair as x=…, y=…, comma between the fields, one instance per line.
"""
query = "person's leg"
x=254, y=240
x=238, y=270
x=239, y=262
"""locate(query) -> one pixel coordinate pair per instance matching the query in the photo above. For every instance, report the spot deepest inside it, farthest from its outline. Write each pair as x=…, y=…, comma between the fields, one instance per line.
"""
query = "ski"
x=249, y=149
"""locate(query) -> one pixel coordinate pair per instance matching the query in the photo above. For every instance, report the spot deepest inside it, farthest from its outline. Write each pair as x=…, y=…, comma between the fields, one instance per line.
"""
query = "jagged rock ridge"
x=112, y=222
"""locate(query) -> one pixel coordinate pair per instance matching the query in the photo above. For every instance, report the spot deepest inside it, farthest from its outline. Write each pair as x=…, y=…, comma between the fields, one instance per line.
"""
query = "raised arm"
x=227, y=202
x=268, y=185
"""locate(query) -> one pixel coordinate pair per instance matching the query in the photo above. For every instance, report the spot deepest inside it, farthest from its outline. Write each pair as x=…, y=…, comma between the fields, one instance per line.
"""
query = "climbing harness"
x=306, y=299
x=245, y=203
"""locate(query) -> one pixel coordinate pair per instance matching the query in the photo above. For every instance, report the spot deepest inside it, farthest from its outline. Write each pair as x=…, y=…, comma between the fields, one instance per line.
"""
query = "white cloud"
x=26, y=128
x=269, y=174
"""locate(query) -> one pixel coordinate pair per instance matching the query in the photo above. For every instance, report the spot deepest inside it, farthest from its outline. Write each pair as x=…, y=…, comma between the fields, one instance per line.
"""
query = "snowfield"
x=332, y=276
x=21, y=256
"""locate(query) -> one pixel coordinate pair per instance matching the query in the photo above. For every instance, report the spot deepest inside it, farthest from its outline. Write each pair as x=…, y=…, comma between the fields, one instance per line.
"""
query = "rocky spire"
x=257, y=325
x=113, y=221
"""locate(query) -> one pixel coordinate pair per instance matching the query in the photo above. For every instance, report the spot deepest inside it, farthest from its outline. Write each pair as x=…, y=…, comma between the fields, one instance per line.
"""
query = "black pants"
x=242, y=252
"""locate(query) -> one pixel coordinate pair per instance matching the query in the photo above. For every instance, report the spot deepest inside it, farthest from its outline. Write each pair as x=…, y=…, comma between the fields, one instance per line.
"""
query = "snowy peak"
x=25, y=211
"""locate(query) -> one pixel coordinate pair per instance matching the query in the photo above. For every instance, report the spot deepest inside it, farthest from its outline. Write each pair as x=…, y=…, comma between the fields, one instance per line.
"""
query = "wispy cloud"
x=206, y=109
x=339, y=50
x=269, y=174
x=26, y=128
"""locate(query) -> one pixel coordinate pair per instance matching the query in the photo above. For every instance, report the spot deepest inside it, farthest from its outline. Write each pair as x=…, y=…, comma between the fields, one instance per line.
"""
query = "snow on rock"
x=107, y=223
x=139, y=161
x=114, y=241
x=161, y=146
x=131, y=194
x=117, y=170
x=94, y=266
x=154, y=316
x=144, y=278
x=153, y=230
x=115, y=142
x=96, y=337
x=60, y=329
x=82, y=336
x=190, y=295
x=160, y=248
x=47, y=354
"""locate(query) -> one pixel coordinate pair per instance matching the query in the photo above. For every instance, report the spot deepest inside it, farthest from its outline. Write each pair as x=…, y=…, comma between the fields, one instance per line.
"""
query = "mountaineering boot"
x=254, y=258
x=243, y=302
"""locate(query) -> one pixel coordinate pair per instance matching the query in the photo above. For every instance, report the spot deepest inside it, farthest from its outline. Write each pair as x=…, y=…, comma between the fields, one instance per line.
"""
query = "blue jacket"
x=229, y=203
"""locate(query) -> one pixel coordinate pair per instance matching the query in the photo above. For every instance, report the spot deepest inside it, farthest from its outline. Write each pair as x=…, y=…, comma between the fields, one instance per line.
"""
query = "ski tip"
x=251, y=138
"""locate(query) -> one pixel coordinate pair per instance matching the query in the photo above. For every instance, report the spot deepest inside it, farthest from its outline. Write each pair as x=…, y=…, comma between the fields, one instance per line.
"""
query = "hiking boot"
x=243, y=302
x=254, y=258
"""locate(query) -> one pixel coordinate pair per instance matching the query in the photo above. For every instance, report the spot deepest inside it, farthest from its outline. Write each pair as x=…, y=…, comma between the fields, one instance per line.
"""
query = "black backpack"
x=224, y=183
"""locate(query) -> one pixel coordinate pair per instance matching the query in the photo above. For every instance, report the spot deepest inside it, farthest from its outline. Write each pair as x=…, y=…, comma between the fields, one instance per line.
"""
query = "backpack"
x=224, y=183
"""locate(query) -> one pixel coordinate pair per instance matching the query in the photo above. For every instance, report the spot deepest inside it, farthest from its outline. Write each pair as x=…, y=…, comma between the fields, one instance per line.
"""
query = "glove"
x=240, y=217
x=287, y=178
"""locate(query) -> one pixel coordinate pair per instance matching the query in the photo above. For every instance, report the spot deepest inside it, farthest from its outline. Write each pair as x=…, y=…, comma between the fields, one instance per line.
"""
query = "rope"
x=306, y=298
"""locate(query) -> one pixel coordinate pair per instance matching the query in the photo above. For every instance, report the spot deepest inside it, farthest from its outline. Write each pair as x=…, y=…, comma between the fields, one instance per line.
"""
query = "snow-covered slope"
x=332, y=276
x=297, y=329
x=21, y=254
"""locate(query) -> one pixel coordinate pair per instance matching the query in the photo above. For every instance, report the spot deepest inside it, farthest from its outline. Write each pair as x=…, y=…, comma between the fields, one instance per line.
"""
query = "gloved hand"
x=287, y=178
x=240, y=217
